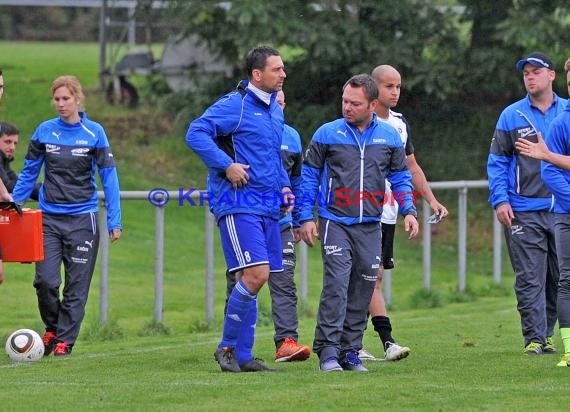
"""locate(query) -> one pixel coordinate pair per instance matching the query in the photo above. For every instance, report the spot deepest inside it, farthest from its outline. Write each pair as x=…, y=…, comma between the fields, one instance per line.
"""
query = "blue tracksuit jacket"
x=70, y=153
x=516, y=179
x=241, y=128
x=341, y=162
x=555, y=178
x=292, y=157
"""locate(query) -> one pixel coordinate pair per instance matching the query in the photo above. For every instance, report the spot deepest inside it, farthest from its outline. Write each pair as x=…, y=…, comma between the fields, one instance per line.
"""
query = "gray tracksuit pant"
x=562, y=228
x=531, y=245
x=351, y=259
x=73, y=240
x=282, y=290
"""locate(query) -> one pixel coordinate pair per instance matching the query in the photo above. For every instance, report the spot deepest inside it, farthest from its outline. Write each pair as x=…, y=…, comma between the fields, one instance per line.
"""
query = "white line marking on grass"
x=128, y=351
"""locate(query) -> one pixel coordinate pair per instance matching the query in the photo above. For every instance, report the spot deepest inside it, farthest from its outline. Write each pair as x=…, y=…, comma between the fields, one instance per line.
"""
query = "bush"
x=425, y=299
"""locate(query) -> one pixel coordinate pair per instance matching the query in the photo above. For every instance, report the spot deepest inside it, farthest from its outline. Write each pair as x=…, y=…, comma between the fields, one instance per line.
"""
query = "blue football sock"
x=244, y=349
x=237, y=310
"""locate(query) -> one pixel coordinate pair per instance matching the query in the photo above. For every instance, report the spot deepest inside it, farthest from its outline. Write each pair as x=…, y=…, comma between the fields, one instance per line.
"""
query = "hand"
x=11, y=205
x=6, y=197
x=115, y=234
x=439, y=209
x=505, y=214
x=297, y=234
x=308, y=231
x=411, y=225
x=537, y=150
x=288, y=199
x=237, y=174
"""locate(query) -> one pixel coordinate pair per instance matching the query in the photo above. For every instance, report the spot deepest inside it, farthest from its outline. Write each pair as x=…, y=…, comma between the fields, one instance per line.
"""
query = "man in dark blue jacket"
x=345, y=168
x=239, y=139
x=9, y=137
x=523, y=204
x=555, y=171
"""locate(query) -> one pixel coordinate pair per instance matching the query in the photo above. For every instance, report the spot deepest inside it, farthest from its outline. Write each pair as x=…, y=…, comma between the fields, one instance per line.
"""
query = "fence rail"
x=462, y=187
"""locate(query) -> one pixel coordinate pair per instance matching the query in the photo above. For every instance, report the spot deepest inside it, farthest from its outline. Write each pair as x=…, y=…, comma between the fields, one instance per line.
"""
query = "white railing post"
x=426, y=255
x=387, y=286
x=462, y=240
x=304, y=271
x=497, y=236
x=104, y=266
x=209, y=298
x=159, y=265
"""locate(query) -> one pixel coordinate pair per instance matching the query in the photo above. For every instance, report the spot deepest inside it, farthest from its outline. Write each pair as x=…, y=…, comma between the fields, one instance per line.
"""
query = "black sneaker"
x=227, y=360
x=256, y=365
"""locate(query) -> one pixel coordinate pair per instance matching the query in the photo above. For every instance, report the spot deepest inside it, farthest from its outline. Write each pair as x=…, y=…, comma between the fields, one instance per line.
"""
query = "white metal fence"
x=461, y=186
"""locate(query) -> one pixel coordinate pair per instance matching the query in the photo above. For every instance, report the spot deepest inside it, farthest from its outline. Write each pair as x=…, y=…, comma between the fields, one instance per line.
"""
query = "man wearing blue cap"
x=523, y=203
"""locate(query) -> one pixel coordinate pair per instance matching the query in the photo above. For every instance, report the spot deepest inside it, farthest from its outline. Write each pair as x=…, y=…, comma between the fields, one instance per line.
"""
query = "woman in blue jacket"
x=70, y=148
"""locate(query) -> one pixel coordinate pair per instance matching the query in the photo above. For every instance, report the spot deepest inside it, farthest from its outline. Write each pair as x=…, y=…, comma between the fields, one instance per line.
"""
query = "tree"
x=332, y=40
x=457, y=63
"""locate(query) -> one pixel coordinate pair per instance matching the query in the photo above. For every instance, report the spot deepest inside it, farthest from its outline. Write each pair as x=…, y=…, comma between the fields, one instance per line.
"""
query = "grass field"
x=466, y=347
x=464, y=357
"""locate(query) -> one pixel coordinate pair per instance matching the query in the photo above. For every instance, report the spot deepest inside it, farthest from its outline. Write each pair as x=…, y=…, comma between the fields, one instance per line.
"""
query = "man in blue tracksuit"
x=345, y=168
x=558, y=181
x=239, y=139
x=282, y=285
x=556, y=175
x=523, y=203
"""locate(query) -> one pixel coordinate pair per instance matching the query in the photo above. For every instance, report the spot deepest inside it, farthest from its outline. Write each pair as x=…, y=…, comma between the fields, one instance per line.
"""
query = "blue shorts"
x=251, y=240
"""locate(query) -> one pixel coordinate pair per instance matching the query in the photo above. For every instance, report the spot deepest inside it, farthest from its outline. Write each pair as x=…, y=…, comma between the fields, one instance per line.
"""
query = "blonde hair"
x=72, y=84
x=567, y=65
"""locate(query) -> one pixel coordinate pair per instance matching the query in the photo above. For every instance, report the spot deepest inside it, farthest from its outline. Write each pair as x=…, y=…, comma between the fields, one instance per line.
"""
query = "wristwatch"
x=412, y=212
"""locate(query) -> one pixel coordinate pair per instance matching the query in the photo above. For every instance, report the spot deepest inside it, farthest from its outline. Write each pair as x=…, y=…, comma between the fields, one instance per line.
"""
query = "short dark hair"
x=366, y=82
x=257, y=58
x=0, y=71
x=8, y=129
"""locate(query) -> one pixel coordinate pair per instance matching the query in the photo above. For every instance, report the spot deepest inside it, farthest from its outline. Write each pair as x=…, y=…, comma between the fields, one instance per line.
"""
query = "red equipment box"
x=21, y=237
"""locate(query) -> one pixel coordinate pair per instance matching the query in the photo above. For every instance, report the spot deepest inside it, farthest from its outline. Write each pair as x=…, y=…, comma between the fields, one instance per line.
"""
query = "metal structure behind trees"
x=185, y=62
x=105, y=23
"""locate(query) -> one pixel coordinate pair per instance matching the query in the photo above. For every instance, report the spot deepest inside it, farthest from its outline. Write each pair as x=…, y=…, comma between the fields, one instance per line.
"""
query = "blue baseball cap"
x=536, y=59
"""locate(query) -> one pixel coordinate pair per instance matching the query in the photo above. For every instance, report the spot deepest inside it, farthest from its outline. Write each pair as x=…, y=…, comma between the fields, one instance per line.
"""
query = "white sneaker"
x=395, y=352
x=366, y=356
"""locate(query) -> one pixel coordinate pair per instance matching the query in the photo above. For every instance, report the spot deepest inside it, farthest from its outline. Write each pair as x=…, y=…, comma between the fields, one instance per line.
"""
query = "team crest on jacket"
x=80, y=151
x=525, y=132
x=53, y=148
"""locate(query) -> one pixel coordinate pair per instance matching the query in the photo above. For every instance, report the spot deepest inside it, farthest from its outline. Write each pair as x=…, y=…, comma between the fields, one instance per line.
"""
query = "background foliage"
x=456, y=58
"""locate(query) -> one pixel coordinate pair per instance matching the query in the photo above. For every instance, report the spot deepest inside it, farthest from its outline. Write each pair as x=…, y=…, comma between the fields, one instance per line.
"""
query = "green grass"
x=464, y=357
x=466, y=347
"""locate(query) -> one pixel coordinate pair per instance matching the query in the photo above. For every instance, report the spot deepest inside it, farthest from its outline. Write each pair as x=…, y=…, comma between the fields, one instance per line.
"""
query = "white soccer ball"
x=24, y=345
